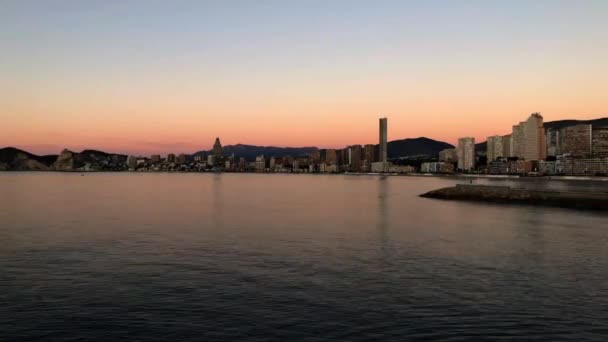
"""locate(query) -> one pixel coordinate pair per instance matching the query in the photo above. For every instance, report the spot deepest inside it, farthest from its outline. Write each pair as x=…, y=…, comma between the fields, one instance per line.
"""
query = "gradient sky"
x=170, y=76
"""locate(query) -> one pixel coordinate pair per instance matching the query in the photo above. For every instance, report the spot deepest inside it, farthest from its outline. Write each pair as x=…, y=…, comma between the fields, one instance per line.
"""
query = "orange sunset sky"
x=158, y=77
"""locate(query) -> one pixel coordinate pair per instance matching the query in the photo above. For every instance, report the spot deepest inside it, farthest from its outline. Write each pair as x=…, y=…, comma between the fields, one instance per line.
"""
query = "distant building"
x=218, y=151
x=494, y=148
x=535, y=146
x=260, y=164
x=369, y=156
x=599, y=138
x=132, y=162
x=529, y=139
x=383, y=146
x=295, y=166
x=575, y=141
x=437, y=167
x=518, y=141
x=507, y=146
x=553, y=140
x=581, y=166
x=211, y=160
x=331, y=157
x=155, y=158
x=466, y=154
x=448, y=155
x=181, y=159
x=171, y=158
x=355, y=154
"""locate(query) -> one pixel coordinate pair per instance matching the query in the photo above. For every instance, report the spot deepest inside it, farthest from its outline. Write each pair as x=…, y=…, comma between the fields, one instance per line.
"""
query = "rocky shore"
x=505, y=194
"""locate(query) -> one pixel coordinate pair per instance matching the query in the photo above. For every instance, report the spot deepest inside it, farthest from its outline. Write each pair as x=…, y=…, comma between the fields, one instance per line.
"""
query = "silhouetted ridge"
x=416, y=147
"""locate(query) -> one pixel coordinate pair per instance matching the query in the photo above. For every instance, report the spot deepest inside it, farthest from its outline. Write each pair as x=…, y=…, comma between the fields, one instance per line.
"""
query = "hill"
x=12, y=158
x=416, y=147
x=564, y=123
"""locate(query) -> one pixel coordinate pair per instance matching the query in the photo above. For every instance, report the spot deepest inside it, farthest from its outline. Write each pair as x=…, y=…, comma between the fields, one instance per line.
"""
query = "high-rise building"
x=494, y=148
x=369, y=156
x=599, y=138
x=218, y=151
x=355, y=154
x=260, y=164
x=553, y=148
x=517, y=141
x=575, y=140
x=181, y=159
x=155, y=158
x=331, y=157
x=535, y=140
x=466, y=154
x=529, y=139
x=449, y=155
x=171, y=158
x=507, y=146
x=383, y=149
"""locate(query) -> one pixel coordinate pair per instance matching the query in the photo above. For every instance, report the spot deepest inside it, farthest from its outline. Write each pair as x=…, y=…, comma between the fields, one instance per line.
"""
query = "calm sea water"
x=201, y=257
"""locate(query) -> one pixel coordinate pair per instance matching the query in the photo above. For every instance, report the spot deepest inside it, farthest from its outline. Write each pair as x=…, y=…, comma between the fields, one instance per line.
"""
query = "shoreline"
x=422, y=175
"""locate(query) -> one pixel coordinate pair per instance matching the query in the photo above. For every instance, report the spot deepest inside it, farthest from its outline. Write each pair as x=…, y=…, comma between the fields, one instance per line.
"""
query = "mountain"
x=249, y=152
x=416, y=147
x=15, y=159
x=565, y=123
x=88, y=160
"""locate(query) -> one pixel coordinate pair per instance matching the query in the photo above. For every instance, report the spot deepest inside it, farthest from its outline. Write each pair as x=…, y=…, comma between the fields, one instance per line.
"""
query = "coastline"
x=467, y=176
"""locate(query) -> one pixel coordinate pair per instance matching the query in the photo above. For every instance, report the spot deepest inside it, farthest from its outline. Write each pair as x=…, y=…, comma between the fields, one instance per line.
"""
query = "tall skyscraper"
x=466, y=154
x=218, y=151
x=383, y=150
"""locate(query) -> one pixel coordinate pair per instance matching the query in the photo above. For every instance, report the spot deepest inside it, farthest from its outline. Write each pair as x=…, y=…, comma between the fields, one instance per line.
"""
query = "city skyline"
x=153, y=77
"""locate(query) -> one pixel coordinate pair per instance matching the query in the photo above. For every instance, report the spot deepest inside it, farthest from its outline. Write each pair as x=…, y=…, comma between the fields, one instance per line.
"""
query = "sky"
x=169, y=76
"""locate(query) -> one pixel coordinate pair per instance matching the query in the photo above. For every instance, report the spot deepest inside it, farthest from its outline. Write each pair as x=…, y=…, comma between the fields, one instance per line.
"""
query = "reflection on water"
x=290, y=257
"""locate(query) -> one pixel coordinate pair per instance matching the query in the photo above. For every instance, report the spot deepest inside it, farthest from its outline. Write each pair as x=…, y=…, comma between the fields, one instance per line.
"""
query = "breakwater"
x=505, y=194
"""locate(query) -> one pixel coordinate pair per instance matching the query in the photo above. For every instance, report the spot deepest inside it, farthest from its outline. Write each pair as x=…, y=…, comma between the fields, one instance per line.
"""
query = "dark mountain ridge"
x=416, y=147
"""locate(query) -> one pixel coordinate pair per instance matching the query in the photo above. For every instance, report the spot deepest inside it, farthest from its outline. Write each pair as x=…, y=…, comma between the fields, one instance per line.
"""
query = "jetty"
x=508, y=195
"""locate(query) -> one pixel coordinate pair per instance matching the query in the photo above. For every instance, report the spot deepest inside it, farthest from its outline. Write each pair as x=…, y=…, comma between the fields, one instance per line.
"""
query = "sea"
x=293, y=257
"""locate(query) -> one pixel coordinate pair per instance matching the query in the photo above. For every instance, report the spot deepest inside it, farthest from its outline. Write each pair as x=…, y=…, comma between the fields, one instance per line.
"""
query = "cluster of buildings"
x=530, y=149
x=354, y=158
